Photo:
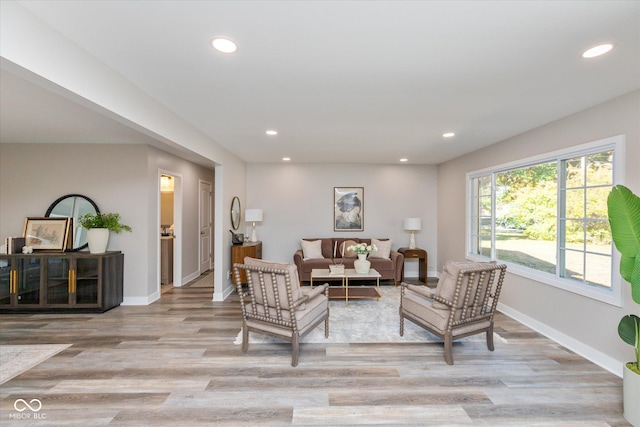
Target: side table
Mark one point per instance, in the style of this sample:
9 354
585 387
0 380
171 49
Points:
238 252
423 262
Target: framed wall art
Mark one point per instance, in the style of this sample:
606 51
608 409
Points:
348 208
47 234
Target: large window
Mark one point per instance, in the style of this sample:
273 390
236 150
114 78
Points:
547 217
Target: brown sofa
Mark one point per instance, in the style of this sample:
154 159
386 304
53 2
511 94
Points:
389 269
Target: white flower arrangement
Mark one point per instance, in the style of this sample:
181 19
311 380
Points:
362 248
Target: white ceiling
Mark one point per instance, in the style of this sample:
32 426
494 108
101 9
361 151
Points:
342 81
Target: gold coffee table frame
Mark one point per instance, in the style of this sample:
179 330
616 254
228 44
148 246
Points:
343 292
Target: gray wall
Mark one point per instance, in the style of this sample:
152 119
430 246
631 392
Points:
297 202
585 325
119 178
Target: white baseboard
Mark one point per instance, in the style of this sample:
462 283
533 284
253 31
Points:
141 300
225 293
610 364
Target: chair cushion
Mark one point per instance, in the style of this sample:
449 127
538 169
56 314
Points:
383 248
305 319
436 318
311 249
446 287
423 308
296 293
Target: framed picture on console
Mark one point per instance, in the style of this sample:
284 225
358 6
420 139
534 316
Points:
348 208
47 234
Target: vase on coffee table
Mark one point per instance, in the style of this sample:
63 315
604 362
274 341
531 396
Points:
362 265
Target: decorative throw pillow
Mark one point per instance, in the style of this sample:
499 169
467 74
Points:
311 249
383 248
346 253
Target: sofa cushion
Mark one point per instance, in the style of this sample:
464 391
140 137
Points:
311 264
311 249
383 248
380 264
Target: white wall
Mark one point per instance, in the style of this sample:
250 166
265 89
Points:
118 178
31 48
32 176
297 202
587 326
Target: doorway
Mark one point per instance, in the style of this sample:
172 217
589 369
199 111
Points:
169 230
205 226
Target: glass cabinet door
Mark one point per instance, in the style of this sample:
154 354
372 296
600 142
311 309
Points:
28 287
57 281
87 280
5 281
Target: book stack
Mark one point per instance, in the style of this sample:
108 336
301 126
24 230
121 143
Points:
15 244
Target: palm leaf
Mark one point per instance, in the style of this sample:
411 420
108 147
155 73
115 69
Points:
629 331
624 218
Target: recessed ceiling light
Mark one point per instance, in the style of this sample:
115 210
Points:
224 45
448 135
271 132
597 50
404 160
286 159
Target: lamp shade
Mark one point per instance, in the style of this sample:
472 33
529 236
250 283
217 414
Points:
253 215
412 224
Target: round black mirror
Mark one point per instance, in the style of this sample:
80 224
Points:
235 213
74 206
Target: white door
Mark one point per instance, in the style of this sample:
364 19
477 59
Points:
205 226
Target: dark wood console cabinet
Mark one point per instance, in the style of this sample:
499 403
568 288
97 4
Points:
238 252
68 281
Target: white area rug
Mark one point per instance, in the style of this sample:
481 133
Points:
17 359
365 321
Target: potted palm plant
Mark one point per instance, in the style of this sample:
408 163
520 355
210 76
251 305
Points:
624 217
98 226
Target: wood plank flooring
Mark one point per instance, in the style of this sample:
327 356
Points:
174 363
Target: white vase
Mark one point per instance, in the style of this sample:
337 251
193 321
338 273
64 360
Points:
361 264
631 396
98 238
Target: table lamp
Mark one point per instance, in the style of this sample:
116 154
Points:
253 216
413 225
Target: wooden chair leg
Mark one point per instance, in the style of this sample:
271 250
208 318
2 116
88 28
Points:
295 350
448 351
326 327
245 337
490 337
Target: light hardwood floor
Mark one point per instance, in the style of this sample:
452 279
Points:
174 363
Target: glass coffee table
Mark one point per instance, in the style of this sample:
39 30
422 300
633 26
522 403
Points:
344 292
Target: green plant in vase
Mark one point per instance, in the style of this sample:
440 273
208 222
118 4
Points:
98 226
624 217
110 221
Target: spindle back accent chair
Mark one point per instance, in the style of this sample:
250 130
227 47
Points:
463 304
274 304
